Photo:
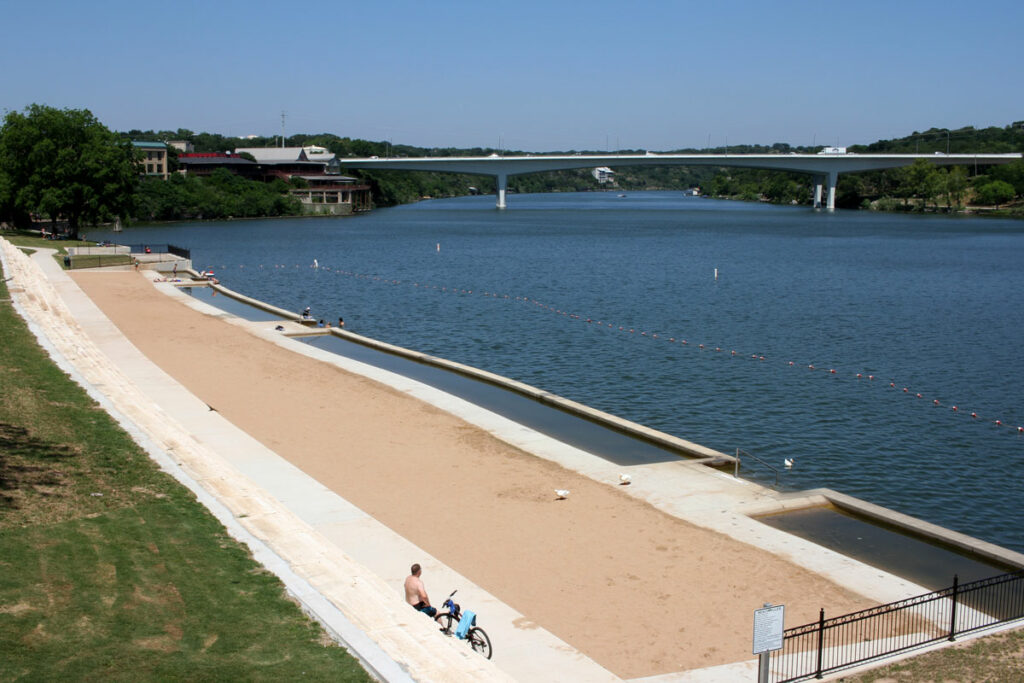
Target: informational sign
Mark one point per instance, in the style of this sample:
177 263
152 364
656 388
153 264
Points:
768 628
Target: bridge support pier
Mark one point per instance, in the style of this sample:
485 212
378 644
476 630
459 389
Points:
833 180
502 180
829 180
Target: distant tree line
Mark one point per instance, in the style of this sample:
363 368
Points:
64 165
922 186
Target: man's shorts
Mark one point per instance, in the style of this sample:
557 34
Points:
426 609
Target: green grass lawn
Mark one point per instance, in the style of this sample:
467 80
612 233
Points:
109 569
997 658
30 241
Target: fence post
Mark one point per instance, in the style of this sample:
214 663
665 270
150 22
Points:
821 640
952 616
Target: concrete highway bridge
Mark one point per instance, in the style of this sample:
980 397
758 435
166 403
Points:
825 168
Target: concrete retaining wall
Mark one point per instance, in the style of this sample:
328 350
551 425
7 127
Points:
674 443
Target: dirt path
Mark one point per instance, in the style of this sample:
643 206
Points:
638 591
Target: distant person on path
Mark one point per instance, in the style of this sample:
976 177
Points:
416 594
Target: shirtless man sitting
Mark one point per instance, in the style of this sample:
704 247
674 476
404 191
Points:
416 594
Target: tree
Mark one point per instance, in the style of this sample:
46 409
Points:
920 180
995 192
956 185
63 164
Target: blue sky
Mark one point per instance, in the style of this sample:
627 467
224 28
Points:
538 76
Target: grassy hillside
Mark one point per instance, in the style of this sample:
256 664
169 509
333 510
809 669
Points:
110 569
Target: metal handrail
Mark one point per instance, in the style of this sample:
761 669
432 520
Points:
736 465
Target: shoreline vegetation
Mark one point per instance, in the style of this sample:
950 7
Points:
99 182
111 566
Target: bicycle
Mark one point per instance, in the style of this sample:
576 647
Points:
476 636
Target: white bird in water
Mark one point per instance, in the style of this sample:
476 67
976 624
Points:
562 494
624 479
788 462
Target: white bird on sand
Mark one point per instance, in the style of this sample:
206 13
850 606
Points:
562 494
624 479
788 462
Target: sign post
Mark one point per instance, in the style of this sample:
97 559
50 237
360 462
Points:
768 632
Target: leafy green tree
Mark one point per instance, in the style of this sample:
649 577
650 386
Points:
1012 173
919 180
995 192
63 164
956 186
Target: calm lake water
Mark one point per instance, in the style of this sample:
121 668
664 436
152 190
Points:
929 303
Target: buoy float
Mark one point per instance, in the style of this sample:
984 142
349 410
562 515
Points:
810 367
905 390
859 376
974 415
919 395
936 401
892 384
955 409
831 371
999 423
701 346
790 362
871 377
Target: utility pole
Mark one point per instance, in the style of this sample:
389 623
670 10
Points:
282 128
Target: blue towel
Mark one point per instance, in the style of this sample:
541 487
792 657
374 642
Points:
467 620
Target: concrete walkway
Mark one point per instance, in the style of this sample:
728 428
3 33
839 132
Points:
344 566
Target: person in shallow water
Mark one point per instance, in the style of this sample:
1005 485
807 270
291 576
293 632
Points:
341 322
416 593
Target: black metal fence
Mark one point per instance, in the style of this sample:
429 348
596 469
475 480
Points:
159 249
96 260
827 645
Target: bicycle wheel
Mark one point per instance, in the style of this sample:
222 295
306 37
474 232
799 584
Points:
444 622
479 641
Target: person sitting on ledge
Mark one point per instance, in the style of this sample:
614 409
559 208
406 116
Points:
416 594
321 323
305 314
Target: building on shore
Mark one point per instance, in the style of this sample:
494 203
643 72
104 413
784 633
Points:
604 175
313 172
154 158
335 195
205 163
326 190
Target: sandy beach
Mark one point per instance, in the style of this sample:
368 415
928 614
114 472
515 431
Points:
635 589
